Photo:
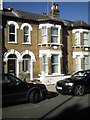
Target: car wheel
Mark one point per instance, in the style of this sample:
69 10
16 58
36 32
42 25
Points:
34 96
79 90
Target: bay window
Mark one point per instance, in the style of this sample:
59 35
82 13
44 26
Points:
77 38
54 35
85 38
54 63
78 62
86 62
45 63
44 34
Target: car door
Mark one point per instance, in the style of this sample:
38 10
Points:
19 88
14 89
88 83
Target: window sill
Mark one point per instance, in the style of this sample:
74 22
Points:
80 46
26 43
50 44
12 42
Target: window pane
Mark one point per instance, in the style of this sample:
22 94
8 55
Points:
45 63
45 68
44 38
85 42
26 38
12 37
85 35
77 40
54 63
26 30
43 31
54 59
54 31
86 60
12 28
44 34
44 59
85 38
54 39
26 66
54 68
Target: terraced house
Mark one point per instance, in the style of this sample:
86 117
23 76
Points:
37 45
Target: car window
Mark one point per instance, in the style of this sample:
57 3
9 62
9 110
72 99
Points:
81 74
14 80
10 79
5 79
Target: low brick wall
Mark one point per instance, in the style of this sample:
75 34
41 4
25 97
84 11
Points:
52 79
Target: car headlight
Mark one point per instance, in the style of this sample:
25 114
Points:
69 84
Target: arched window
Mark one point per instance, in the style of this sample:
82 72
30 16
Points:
12 31
26 64
26 33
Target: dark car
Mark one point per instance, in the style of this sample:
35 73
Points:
78 84
14 89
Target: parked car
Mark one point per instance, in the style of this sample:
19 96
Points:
14 89
78 84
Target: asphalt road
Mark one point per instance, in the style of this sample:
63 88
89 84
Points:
54 106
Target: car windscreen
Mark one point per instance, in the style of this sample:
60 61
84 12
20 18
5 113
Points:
81 74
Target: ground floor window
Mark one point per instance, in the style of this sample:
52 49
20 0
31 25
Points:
54 63
45 63
26 65
86 62
78 62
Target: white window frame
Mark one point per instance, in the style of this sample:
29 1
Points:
54 35
85 39
29 35
16 27
48 25
45 64
24 66
86 63
77 40
78 62
44 35
58 64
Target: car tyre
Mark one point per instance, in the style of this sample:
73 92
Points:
79 90
34 96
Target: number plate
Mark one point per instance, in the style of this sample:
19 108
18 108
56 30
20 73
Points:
60 88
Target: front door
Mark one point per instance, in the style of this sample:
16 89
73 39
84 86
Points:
12 66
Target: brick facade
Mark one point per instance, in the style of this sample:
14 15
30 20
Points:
64 52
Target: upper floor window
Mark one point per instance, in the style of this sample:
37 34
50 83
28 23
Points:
26 33
54 35
77 38
44 34
85 38
12 31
